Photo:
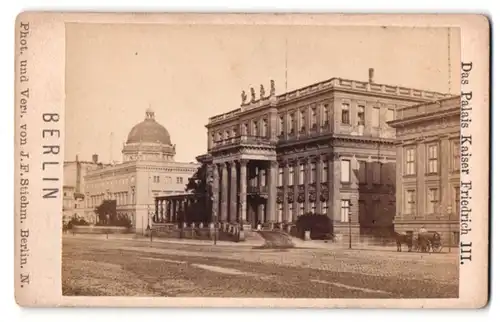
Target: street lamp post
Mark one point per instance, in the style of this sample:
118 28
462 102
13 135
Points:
449 210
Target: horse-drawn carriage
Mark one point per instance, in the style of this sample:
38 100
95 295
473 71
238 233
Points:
425 242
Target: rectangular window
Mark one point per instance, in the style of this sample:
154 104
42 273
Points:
301 208
280 211
244 131
389 115
362 172
226 135
280 177
324 175
290 210
376 117
377 166
326 114
234 132
281 125
345 113
432 200
344 210
312 174
410 161
432 158
345 171
264 127
301 174
291 123
456 155
255 130
179 180
291 175
324 207
302 121
314 117
410 201
361 115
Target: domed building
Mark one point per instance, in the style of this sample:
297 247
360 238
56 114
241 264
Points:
148 170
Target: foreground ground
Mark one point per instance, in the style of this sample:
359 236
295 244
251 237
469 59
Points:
138 268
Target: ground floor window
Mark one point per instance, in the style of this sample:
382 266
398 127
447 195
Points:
290 210
280 212
324 208
344 210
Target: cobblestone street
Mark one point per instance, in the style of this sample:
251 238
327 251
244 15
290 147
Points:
138 268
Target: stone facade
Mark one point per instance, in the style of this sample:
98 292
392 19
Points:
148 170
325 148
428 164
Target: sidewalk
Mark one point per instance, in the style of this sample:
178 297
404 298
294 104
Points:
299 244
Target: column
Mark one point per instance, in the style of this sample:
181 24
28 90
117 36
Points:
156 210
215 192
307 174
233 205
295 190
224 196
243 191
286 215
319 176
421 188
272 194
331 186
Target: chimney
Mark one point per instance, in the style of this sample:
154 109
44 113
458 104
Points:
371 72
95 158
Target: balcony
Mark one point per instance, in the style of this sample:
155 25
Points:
243 140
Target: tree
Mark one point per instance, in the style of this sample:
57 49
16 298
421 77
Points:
106 212
197 184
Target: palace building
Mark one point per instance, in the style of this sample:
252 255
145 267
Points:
324 148
428 161
148 170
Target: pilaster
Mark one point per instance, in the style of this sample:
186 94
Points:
224 193
243 191
233 205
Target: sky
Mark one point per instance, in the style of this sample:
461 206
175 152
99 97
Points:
188 73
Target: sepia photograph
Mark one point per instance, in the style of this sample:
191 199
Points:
261 161
252 160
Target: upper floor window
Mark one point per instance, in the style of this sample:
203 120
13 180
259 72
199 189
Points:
280 177
324 174
361 115
234 132
376 117
345 208
264 127
281 125
432 158
455 146
291 123
314 118
326 114
180 180
255 130
301 174
302 121
410 161
312 174
345 171
345 113
226 135
390 115
291 175
244 130
432 200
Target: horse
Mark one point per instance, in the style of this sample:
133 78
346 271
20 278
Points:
403 238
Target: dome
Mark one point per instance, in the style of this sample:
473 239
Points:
149 131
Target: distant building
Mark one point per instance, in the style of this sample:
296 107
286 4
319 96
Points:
325 148
74 187
148 170
428 164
